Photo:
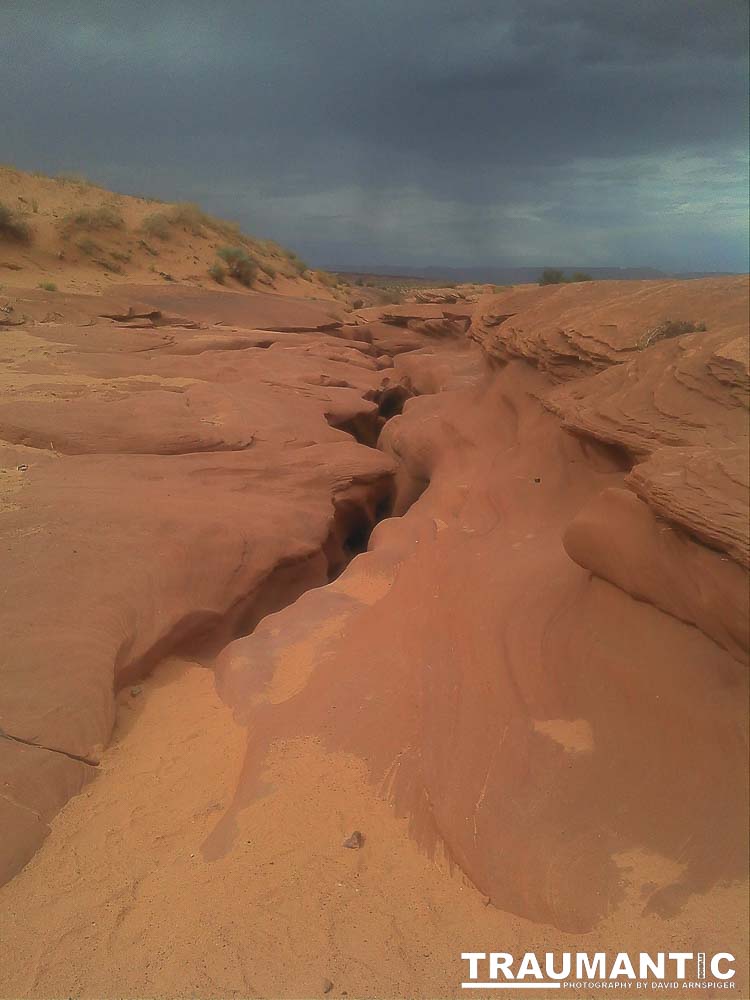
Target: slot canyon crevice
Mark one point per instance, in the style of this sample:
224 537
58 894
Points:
471 577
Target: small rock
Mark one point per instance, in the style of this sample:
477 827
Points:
327 985
537 480
355 841
22 468
135 691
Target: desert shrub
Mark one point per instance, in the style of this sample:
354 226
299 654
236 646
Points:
329 280
88 247
267 269
108 265
241 265
358 303
190 217
123 258
229 230
551 276
34 206
13 226
218 273
196 221
270 249
158 225
669 328
73 178
103 217
298 266
48 286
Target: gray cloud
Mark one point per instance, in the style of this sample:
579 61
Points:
419 131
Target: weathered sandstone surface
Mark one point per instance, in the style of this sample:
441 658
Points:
565 676
539 653
163 485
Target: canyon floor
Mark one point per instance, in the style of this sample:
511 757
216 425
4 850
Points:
342 638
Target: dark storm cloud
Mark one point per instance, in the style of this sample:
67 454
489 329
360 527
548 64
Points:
406 132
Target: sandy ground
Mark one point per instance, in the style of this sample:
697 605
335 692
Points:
120 901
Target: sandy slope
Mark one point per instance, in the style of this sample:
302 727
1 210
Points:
91 256
122 901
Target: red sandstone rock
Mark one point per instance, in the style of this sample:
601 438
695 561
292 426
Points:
542 663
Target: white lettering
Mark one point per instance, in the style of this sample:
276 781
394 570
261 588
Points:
473 958
549 965
622 966
593 969
648 966
530 967
500 961
715 971
680 958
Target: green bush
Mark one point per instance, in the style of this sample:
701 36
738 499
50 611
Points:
270 248
196 221
12 226
218 273
158 225
48 286
104 217
190 217
241 266
551 276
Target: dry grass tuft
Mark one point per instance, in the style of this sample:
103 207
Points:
669 328
103 217
242 267
13 227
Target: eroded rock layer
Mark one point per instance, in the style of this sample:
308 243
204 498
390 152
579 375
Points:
542 660
527 714
164 485
564 679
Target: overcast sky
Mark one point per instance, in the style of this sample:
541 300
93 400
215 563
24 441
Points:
586 132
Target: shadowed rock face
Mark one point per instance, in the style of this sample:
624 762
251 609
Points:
542 662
